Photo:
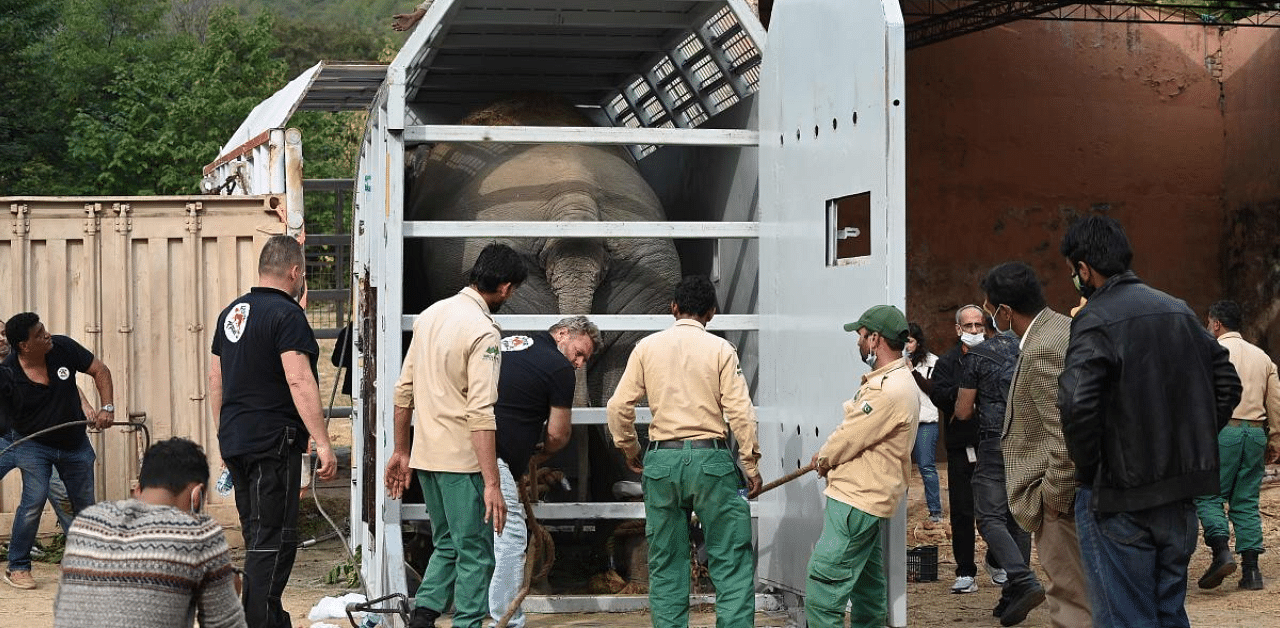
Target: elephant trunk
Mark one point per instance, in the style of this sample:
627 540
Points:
574 266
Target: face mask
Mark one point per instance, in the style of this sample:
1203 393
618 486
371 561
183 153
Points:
971 340
995 322
870 357
870 360
1085 290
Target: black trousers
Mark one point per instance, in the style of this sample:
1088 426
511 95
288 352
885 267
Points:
266 486
960 503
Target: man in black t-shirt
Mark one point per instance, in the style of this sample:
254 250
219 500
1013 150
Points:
264 397
38 392
535 390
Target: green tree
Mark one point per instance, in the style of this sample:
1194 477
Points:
167 117
26 133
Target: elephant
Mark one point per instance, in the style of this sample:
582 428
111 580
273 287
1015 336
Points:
487 181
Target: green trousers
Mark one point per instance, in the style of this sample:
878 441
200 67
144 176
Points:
1240 469
462 561
705 481
847 566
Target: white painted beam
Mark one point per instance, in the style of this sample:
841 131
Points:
579 135
548 604
610 322
560 511
578 229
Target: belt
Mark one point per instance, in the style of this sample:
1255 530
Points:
699 443
1246 422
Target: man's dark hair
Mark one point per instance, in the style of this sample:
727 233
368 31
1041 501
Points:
1100 242
1228 313
497 264
1014 284
279 254
695 295
18 328
894 343
173 465
922 347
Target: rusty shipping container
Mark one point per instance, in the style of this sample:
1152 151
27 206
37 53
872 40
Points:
139 281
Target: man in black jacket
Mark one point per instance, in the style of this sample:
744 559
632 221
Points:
1144 391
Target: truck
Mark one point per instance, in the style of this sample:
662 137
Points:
779 157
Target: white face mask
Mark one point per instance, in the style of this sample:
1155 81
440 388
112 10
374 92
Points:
870 360
971 340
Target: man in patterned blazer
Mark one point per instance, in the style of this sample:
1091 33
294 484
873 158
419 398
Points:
1039 475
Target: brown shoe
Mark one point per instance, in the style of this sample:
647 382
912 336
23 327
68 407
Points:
20 579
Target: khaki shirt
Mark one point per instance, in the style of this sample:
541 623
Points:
450 378
693 382
1260 397
869 455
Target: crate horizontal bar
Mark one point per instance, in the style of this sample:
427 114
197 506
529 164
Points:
577 229
554 511
610 322
420 134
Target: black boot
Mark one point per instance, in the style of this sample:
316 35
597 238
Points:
1223 565
1250 577
423 618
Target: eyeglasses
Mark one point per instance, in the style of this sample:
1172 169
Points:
971 327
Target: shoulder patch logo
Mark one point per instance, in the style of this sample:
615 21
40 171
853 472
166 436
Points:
64 373
866 408
492 353
516 343
236 321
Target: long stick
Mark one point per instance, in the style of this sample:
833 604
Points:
798 473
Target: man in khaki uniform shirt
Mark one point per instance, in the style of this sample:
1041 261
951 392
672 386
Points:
693 382
450 377
1241 448
1039 475
867 463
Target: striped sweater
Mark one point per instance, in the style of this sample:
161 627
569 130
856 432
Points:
129 563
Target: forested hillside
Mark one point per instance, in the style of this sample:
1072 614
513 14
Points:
135 96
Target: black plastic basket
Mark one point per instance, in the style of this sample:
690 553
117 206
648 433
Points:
922 564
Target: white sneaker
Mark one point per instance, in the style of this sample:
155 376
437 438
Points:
965 584
998 576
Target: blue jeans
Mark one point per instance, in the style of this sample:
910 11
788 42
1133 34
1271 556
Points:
38 462
57 490
925 455
1136 563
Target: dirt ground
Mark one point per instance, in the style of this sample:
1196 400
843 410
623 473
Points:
928 603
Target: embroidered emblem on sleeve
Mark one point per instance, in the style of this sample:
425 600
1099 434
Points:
516 343
236 321
492 353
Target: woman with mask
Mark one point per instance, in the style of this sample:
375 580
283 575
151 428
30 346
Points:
925 452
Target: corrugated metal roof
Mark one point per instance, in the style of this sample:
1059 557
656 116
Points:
325 86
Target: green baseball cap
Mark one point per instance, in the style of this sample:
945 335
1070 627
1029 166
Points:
886 320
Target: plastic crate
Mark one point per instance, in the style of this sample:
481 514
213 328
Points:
922 564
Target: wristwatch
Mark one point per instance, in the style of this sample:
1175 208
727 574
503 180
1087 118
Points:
109 408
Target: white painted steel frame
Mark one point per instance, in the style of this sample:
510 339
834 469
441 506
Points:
610 322
576 229
560 511
827 61
802 303
418 134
